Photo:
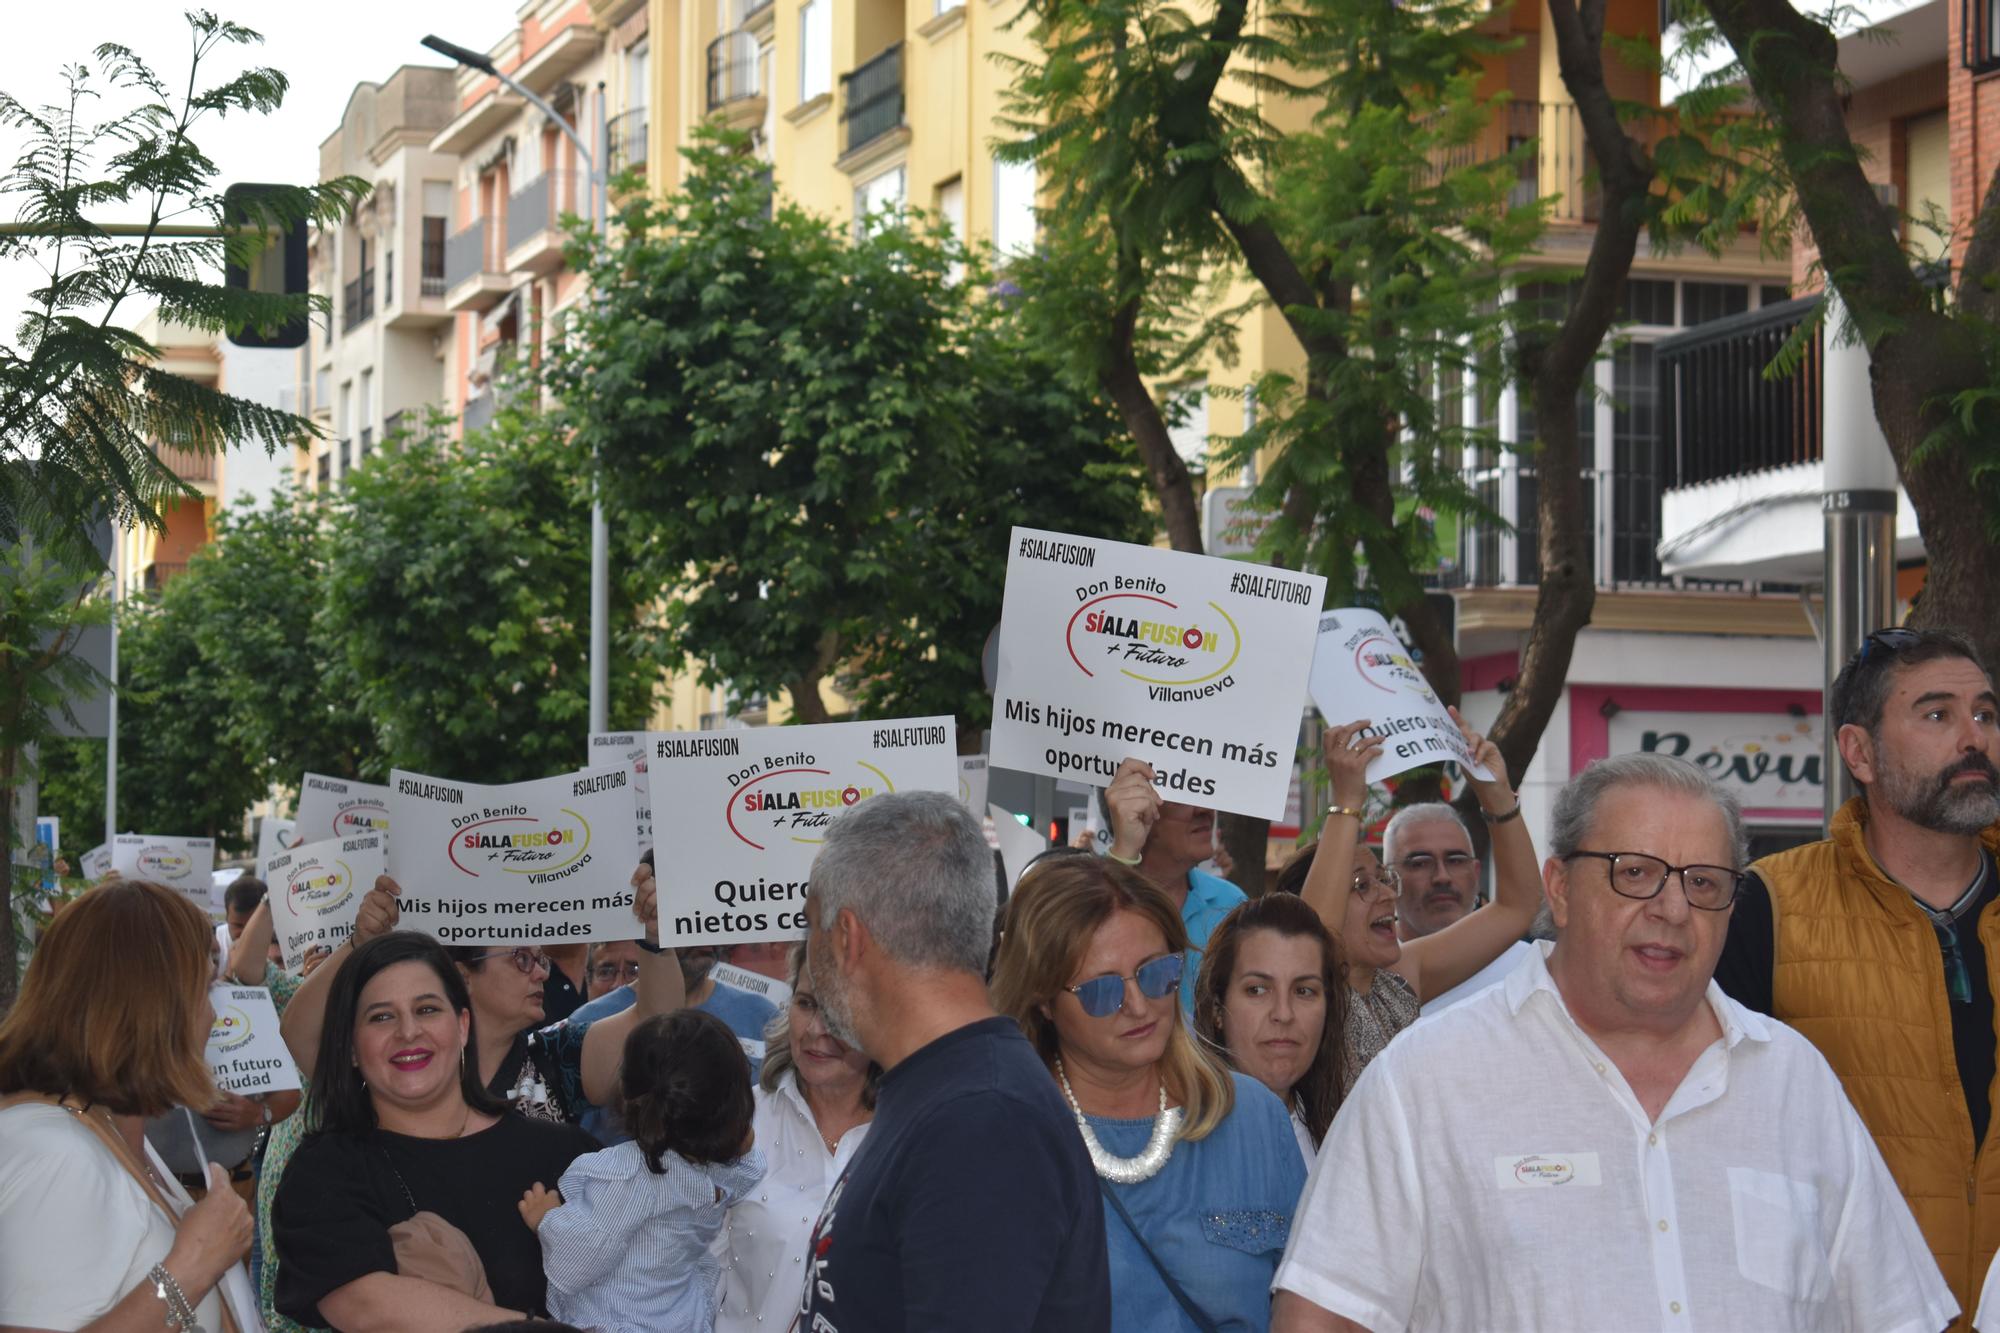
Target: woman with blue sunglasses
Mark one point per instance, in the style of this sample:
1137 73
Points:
1197 1165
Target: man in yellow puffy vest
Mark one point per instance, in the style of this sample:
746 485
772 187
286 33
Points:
1881 944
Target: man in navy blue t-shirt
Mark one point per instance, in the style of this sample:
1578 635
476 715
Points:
972 1205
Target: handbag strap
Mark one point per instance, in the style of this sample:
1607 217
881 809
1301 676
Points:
135 1169
1186 1302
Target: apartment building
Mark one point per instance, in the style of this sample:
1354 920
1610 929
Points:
506 283
148 559
380 353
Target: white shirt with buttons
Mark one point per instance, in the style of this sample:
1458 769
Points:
763 1243
1492 1169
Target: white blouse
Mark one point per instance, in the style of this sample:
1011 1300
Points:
763 1242
77 1232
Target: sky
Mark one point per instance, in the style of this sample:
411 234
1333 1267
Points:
324 48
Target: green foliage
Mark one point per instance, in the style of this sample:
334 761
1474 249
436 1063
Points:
815 441
458 594
81 397
178 771
256 609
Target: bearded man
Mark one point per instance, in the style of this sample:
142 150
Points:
1881 943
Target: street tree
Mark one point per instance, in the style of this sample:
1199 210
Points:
801 446
45 606
82 396
1934 346
457 593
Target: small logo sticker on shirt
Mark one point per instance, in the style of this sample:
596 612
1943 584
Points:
1541 1170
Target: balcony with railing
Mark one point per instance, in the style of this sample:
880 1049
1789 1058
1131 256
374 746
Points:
733 90
1555 157
1741 441
190 465
357 300
871 102
475 272
628 140
534 220
423 307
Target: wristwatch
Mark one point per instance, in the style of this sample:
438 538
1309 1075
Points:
265 1102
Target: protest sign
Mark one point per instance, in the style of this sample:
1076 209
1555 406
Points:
1361 670
972 778
1019 844
745 813
1195 665
218 890
542 862
96 863
608 749
275 835
245 1052
772 989
340 808
185 865
317 887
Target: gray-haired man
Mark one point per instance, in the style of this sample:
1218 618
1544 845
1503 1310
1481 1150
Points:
1693 1165
972 1205
1429 848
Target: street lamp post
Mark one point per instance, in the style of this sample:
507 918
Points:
600 532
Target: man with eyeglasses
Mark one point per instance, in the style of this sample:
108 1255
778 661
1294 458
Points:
1428 847
1881 943
1606 1140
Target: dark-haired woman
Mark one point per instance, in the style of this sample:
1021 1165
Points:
547 1073
398 1211
1270 997
815 1099
627 1242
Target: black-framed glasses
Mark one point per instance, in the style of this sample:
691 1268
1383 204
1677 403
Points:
1637 875
1887 642
607 974
1104 996
1423 863
525 960
1367 882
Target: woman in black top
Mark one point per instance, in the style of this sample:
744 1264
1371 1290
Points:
401 1125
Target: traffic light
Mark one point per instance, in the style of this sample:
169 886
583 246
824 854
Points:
278 267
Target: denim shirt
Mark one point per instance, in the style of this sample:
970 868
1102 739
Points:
1217 1215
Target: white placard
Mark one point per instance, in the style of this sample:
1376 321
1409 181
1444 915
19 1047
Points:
772 989
317 887
275 835
745 813
1019 844
340 808
218 890
608 749
972 779
185 865
542 862
1196 665
96 863
245 1052
1361 670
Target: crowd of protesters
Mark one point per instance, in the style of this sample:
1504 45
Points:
1642 1084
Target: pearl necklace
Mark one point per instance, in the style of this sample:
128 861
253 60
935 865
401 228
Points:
1128 1170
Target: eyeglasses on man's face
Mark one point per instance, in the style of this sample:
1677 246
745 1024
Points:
1637 875
526 961
1423 865
1104 996
612 974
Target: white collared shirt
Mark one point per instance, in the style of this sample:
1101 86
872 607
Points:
763 1242
1493 1170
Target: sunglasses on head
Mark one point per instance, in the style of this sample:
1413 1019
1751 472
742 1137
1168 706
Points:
1104 996
1887 642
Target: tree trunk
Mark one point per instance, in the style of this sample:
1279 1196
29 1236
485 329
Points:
1919 357
1173 485
807 706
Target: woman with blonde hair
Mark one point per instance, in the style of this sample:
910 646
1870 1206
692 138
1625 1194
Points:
110 1027
1197 1165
